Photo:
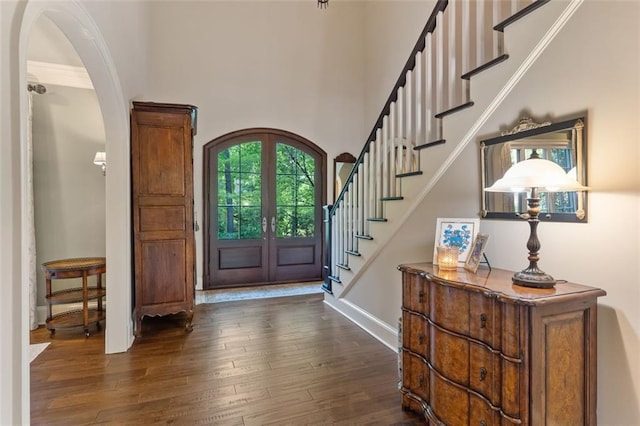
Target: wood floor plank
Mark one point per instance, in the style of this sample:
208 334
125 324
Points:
280 361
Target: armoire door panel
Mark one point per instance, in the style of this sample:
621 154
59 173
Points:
162 218
163 275
162 209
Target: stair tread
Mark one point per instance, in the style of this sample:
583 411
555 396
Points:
520 14
343 266
486 65
364 237
454 109
401 175
353 252
429 145
377 219
392 198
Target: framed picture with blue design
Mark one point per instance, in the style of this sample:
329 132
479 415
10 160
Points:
458 233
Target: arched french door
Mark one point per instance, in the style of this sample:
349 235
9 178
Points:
264 191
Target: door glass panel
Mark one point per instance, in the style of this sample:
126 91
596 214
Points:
295 192
240 191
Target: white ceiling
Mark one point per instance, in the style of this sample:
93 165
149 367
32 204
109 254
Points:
51 59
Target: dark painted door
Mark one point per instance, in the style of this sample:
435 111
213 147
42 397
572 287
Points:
265 192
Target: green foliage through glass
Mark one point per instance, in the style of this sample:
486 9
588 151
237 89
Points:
295 189
240 191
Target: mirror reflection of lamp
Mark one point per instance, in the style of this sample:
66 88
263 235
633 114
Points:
535 175
101 160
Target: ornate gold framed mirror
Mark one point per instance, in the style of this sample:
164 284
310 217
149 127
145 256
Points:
563 143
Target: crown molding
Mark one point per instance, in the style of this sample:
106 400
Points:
58 74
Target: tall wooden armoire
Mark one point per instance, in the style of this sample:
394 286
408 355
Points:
162 209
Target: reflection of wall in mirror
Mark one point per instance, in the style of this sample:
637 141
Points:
342 174
498 162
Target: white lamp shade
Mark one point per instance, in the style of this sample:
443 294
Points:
544 175
100 158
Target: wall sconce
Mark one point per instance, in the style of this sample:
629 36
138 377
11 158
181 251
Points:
101 160
535 175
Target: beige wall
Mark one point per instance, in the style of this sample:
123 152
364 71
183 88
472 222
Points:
69 190
289 65
582 70
391 32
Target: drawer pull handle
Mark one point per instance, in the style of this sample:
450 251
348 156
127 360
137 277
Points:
483 374
421 296
483 320
483 423
421 339
421 381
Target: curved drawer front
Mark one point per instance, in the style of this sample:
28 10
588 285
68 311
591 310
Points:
415 333
449 307
450 355
416 380
482 413
415 294
484 372
485 318
510 394
449 402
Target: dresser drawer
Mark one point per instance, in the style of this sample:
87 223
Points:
415 296
485 319
450 403
449 307
450 355
510 395
481 413
484 372
415 333
415 375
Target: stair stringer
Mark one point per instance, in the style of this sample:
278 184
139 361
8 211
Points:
416 188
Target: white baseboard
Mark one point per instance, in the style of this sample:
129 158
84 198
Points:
380 330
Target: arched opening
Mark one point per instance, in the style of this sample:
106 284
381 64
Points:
264 190
85 37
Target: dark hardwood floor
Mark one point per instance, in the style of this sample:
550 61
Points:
281 361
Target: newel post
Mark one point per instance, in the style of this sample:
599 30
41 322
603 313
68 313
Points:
326 270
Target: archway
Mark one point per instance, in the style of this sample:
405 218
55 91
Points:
86 38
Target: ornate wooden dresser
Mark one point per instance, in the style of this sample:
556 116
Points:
479 350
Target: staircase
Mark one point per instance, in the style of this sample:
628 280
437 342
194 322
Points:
459 72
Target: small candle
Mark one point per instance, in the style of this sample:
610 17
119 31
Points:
448 257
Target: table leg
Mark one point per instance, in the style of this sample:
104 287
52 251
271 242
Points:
99 285
85 303
49 309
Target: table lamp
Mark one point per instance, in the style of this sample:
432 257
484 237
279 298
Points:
535 175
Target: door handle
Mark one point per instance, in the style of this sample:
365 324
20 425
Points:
264 225
273 224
